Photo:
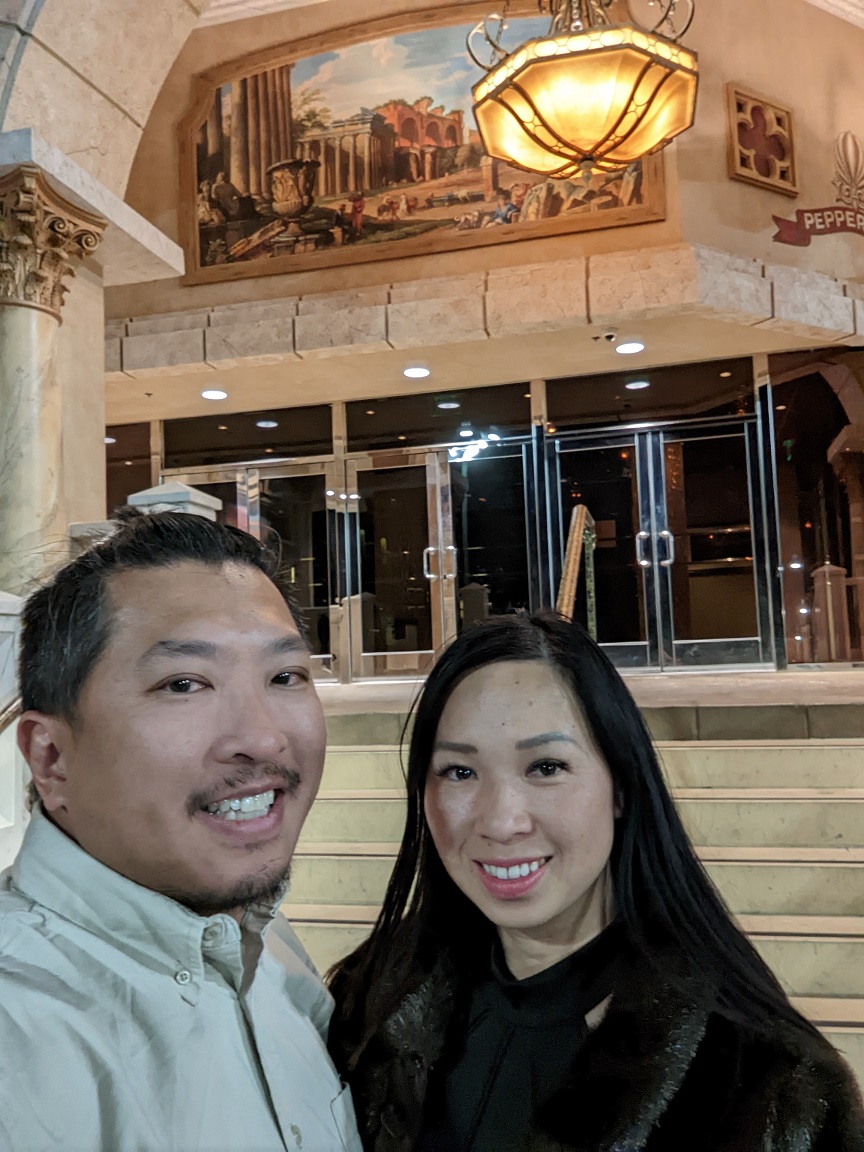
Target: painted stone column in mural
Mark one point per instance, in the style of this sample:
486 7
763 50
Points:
240 137
42 239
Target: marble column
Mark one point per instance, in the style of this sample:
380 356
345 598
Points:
43 237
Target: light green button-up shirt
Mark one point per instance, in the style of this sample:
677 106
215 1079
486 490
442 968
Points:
129 1024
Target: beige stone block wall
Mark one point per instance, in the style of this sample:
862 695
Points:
161 351
323 333
267 341
442 320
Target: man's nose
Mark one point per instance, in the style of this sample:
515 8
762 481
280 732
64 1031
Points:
502 812
251 729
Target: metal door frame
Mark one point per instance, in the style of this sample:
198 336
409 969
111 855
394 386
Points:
654 543
440 557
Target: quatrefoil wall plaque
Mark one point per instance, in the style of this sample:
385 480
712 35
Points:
761 141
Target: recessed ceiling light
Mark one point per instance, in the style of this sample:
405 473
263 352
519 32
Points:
417 373
214 394
527 395
330 492
127 462
466 430
630 347
781 408
370 411
268 449
223 427
796 565
266 424
401 437
725 375
638 385
448 405
110 440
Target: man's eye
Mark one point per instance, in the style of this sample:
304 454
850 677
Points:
290 679
181 687
547 768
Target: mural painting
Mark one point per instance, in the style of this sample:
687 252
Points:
371 151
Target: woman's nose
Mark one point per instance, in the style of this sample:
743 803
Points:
502 812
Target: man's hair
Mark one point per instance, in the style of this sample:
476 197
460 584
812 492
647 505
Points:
67 623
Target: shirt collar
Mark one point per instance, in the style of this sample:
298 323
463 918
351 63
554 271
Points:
56 873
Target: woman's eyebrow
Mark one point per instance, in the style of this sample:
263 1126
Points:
546 738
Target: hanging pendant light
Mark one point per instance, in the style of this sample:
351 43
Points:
593 94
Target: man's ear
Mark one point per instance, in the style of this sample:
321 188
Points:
43 741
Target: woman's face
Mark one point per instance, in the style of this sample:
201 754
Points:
520 802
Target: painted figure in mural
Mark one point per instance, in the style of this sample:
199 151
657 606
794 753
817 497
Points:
553 969
358 207
207 212
505 213
151 994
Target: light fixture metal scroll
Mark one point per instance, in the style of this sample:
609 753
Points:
609 84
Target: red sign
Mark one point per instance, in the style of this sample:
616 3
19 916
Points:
811 222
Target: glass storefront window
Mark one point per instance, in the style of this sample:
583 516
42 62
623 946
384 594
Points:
127 460
232 437
677 392
437 418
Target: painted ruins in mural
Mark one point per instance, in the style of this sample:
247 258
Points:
371 146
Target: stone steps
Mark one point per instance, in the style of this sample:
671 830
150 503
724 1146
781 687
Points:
738 818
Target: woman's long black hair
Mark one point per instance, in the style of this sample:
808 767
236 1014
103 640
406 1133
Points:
669 907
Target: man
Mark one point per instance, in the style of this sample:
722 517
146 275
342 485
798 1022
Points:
151 997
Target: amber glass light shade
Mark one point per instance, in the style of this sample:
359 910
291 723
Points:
605 97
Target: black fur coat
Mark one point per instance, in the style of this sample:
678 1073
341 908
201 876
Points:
659 1074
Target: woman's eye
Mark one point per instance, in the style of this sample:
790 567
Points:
455 772
290 679
182 687
547 768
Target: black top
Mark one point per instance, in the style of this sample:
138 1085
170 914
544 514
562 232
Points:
521 1040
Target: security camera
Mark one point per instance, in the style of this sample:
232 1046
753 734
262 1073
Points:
611 336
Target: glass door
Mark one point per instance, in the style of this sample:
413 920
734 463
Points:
402 563
680 564
293 509
490 533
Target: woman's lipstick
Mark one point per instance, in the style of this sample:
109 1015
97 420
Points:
515 888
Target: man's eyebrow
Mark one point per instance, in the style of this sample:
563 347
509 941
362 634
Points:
203 649
207 650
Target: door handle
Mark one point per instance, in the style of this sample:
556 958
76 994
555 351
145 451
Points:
670 548
427 552
454 557
641 559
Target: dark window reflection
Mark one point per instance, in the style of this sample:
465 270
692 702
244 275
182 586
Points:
244 436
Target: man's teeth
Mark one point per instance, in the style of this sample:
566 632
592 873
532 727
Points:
248 808
514 871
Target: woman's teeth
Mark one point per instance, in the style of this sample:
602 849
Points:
514 871
248 808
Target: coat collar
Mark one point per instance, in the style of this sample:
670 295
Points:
628 1071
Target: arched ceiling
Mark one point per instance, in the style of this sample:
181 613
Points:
221 11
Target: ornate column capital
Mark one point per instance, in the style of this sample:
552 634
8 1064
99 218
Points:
43 238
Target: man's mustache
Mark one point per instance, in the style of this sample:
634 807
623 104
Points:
289 778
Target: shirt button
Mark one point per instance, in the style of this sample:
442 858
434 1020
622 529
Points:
212 933
183 977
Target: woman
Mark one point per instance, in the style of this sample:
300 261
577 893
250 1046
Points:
552 968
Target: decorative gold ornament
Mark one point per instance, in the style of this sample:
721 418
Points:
593 94
43 238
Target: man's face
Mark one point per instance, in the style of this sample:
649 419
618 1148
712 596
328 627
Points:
199 741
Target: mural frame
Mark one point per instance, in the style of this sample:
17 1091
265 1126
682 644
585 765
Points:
651 210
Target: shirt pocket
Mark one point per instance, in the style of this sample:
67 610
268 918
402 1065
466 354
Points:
342 1110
